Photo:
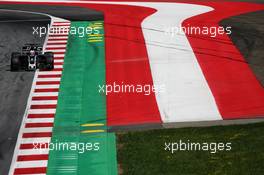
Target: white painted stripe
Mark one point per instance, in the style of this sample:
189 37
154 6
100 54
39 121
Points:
35 140
55 46
59 41
51 72
41 120
41 94
58 37
32 151
44 102
58 61
62 23
55 19
48 79
47 86
60 27
55 50
58 55
41 111
31 164
58 66
187 96
38 129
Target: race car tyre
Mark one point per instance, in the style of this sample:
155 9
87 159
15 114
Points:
15 61
49 60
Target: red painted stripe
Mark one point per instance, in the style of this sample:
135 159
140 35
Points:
50 44
237 92
47 82
56 28
35 125
50 76
61 24
126 42
59 53
45 98
57 39
34 146
37 134
47 90
37 170
43 106
58 69
33 157
53 70
41 115
57 35
58 58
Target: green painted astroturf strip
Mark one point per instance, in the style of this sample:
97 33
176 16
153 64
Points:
80 143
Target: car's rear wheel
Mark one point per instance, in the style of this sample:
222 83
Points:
15 61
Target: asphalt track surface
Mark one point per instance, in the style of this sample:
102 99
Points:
15 31
76 13
248 36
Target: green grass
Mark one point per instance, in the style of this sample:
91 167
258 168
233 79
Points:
142 153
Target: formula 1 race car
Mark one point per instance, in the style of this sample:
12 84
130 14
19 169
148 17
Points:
32 58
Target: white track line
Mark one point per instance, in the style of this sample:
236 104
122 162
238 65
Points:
43 94
58 37
58 55
41 111
55 46
31 164
58 66
59 41
35 140
47 86
53 72
61 24
41 120
44 102
58 61
40 129
48 79
32 151
55 50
